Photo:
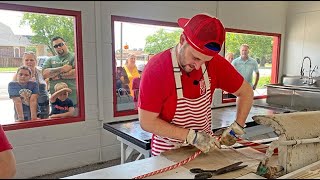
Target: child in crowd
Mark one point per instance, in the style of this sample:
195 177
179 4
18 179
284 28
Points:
61 105
24 94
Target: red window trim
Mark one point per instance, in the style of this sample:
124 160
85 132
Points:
128 20
79 64
275 57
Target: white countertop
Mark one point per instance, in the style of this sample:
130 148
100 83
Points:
137 168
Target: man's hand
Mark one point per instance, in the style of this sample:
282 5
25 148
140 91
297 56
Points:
254 87
229 136
202 140
66 68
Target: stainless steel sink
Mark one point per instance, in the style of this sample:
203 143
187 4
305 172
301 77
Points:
293 93
297 81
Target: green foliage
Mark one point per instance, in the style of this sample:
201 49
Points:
161 40
45 27
263 81
260 46
31 48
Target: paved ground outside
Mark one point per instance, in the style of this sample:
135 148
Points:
6 104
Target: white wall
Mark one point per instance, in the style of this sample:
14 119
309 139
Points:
303 37
48 149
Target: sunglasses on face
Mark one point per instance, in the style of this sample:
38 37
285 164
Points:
58 45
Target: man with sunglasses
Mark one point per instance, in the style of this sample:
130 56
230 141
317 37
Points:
177 85
61 68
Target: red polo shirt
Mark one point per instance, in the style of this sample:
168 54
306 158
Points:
4 143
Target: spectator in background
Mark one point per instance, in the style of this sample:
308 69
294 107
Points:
246 66
29 59
131 70
24 94
7 159
230 57
122 80
136 84
61 68
61 105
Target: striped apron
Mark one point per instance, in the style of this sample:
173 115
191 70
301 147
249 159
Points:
190 113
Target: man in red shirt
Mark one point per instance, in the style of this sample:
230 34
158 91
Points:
177 86
7 160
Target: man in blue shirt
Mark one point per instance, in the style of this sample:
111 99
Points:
247 65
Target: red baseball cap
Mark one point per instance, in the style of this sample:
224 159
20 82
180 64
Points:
204 33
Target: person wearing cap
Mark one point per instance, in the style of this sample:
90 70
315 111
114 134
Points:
247 65
7 159
61 105
136 84
177 85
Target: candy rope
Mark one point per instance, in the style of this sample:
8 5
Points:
259 147
169 167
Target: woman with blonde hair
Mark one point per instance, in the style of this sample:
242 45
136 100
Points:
131 70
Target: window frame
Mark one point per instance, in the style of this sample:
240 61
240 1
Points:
275 57
129 20
79 65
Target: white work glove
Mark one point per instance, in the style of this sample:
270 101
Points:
230 135
202 140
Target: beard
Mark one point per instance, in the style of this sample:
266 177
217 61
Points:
60 52
181 57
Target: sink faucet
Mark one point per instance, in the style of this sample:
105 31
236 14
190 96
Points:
310 74
302 69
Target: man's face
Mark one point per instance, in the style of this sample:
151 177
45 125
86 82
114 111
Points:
60 47
190 59
244 51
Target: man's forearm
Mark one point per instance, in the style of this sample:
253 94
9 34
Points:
52 72
244 104
69 75
257 79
